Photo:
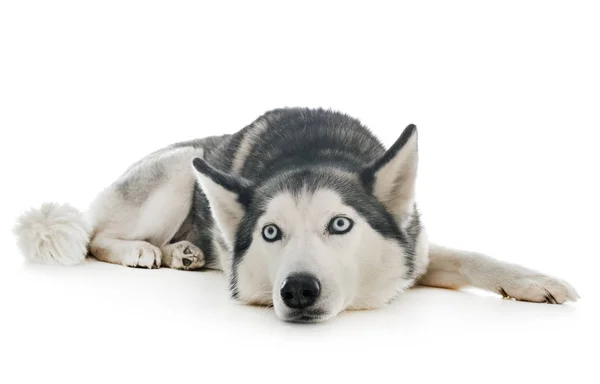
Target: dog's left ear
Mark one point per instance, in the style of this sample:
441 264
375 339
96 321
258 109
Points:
392 177
228 197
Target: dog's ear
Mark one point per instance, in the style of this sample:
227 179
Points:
228 197
391 178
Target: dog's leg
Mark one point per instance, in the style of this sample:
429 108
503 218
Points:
450 268
141 212
131 253
182 255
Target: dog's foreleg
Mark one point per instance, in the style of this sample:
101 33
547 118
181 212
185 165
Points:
450 268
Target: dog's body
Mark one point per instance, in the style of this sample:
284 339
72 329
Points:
303 209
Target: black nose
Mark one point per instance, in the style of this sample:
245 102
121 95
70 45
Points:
300 290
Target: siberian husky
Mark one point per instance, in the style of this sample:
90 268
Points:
304 210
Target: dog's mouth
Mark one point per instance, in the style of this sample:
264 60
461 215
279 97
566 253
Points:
305 316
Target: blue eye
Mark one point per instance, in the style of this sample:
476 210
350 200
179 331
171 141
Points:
271 233
340 225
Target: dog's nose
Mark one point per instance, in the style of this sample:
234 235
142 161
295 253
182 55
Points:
300 290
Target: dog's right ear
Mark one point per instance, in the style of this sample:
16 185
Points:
228 197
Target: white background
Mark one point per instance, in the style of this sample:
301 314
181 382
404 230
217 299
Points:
506 96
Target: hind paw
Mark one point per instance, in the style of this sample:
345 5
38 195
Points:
143 255
183 255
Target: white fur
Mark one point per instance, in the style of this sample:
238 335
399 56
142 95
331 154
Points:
246 145
357 270
451 268
395 181
53 234
170 200
225 209
131 232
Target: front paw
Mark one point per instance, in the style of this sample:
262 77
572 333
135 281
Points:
183 255
539 289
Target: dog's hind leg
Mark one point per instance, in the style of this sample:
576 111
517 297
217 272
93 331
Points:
136 217
131 253
453 269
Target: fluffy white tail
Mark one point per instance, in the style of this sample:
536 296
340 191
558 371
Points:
53 234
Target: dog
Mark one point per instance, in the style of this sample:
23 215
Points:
304 210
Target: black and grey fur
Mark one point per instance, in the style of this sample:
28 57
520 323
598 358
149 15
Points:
292 149
207 203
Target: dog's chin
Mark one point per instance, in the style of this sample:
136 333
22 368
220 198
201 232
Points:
306 316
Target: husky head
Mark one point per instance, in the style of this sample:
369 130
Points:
315 241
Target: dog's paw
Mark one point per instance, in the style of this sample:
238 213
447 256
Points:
539 289
184 255
143 255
